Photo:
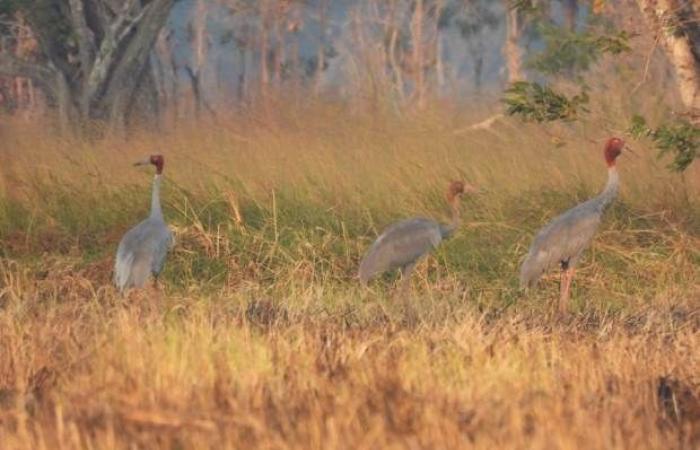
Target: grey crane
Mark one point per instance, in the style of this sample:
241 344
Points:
402 244
563 240
143 248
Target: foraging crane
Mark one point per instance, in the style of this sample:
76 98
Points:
402 244
143 248
563 239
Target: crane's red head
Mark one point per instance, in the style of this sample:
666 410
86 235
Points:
457 188
613 148
156 160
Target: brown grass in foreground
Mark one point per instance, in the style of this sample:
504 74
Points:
84 369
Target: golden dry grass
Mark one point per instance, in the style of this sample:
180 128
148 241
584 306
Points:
261 337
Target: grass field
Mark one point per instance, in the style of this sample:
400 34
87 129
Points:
261 337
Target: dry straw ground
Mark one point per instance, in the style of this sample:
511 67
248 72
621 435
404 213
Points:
261 337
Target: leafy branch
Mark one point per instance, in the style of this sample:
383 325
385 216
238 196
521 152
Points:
681 138
539 103
571 52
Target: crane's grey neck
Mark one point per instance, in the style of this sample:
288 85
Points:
611 188
156 212
447 230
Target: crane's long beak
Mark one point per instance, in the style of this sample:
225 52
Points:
144 162
472 189
629 149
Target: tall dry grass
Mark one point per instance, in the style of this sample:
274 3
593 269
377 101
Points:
261 338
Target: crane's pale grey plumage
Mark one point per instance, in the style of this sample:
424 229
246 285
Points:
563 240
143 248
402 244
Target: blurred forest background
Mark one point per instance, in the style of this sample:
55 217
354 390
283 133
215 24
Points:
117 62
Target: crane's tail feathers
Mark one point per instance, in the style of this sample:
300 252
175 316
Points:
122 270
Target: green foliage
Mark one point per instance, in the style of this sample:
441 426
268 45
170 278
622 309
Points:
570 52
7 6
540 103
681 138
565 52
528 7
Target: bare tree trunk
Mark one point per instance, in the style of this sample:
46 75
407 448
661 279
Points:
32 100
439 63
397 70
169 68
144 106
160 63
280 58
25 45
321 52
199 45
418 54
511 50
295 59
677 22
570 13
196 94
67 112
264 46
242 46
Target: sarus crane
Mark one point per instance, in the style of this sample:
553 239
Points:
563 240
402 244
143 248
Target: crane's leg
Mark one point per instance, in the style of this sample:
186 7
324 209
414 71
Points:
406 272
568 276
564 284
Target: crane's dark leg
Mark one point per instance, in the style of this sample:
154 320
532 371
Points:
567 273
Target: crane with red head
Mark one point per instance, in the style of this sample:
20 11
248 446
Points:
143 248
562 241
404 243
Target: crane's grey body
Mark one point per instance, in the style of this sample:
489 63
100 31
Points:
143 248
562 240
401 246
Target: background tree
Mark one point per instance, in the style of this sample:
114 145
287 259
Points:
677 25
94 59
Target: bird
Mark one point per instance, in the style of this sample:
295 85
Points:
402 244
563 240
143 249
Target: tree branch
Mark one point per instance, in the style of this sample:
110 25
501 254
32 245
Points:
114 36
136 49
46 24
14 67
85 38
